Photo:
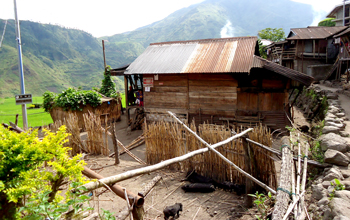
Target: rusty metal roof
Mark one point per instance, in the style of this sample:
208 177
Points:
343 33
314 32
197 56
260 62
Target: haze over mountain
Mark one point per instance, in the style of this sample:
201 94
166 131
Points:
56 58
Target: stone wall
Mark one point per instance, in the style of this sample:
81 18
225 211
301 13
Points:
329 202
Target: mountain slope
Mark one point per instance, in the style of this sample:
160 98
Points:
54 58
212 19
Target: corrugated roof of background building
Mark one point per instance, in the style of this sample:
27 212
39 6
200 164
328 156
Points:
260 62
314 32
197 56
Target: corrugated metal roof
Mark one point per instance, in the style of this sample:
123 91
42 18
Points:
196 56
343 33
259 62
314 32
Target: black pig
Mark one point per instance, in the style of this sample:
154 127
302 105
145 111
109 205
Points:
172 211
194 177
199 187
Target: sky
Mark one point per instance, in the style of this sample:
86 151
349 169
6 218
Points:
109 17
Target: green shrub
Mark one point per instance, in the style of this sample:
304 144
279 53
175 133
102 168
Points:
71 99
24 175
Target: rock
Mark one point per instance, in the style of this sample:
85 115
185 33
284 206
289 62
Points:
330 129
330 115
332 95
324 201
304 128
333 110
334 142
345 171
336 157
340 207
343 134
333 173
346 184
343 194
330 123
327 213
341 218
335 119
318 192
326 184
327 83
340 114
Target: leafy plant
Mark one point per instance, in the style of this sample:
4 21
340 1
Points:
337 186
108 86
263 203
23 174
107 215
71 99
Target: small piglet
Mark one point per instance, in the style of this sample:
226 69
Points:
199 187
172 211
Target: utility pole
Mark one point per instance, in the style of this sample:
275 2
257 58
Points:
20 66
344 12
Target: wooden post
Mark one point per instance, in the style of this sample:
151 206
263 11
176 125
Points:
115 144
249 189
283 191
16 122
104 54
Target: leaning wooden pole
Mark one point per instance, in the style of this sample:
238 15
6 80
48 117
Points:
283 191
264 186
146 189
129 174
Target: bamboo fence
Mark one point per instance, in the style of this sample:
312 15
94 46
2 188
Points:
166 140
97 138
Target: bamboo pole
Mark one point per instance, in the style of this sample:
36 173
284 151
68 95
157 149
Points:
296 211
292 205
282 198
301 214
264 186
129 174
115 144
311 162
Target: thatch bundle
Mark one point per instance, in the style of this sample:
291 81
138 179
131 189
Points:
166 140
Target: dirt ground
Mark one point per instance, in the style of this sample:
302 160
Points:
216 205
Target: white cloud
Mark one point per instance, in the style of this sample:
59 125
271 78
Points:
227 30
100 18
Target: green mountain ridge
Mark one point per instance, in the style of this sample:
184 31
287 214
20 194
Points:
56 57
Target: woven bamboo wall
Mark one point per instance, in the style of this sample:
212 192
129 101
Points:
168 140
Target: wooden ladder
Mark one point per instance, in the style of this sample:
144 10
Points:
335 65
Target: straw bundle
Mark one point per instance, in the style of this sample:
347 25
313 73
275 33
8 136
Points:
95 143
263 162
72 125
166 140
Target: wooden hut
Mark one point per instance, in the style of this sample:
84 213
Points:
219 81
310 50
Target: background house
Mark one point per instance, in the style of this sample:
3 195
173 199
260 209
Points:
338 14
219 81
310 50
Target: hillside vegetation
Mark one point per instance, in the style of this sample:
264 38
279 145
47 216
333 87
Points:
56 58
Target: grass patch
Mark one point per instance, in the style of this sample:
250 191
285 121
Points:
36 117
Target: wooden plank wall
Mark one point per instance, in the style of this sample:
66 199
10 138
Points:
169 92
212 96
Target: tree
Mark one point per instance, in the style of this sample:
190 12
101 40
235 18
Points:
328 22
273 34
